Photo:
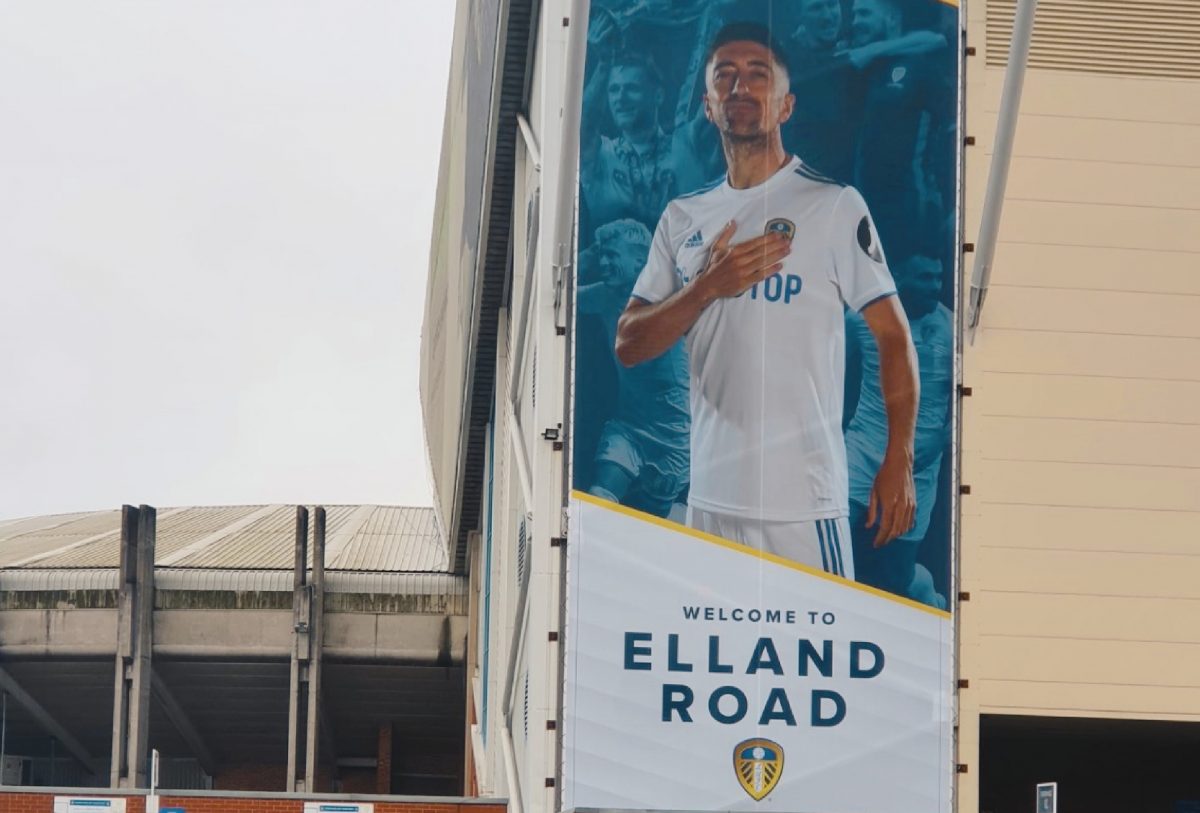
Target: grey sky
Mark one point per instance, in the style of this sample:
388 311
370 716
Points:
214 237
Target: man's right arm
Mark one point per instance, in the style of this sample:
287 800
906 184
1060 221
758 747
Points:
647 330
914 43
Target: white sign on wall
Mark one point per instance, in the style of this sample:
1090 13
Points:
703 675
339 807
89 804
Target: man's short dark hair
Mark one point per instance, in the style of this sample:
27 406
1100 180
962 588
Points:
748 32
631 59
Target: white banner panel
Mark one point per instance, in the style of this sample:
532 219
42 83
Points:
706 675
339 807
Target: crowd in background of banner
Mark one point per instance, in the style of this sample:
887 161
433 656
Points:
876 87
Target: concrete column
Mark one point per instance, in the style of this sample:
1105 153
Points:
304 695
298 677
316 634
135 616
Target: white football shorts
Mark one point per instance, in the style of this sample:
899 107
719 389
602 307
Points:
823 544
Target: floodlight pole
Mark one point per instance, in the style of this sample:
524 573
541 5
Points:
1006 128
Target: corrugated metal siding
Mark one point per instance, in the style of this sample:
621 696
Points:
39 580
1124 37
172 532
54 534
14 527
395 539
268 543
391 539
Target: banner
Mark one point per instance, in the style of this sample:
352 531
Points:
759 563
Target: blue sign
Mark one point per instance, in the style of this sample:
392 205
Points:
171 810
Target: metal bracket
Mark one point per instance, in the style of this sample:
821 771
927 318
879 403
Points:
562 266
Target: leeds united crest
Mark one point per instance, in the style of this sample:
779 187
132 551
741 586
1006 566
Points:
758 764
782 226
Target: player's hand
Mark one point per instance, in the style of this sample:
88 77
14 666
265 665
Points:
603 31
893 499
731 269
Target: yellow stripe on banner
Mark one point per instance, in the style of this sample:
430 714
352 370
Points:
949 2
758 554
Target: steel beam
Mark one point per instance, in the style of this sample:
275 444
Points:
1006 131
52 726
183 723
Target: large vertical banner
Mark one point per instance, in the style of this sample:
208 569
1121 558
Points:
759 563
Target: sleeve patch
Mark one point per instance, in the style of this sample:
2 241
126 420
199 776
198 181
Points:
867 240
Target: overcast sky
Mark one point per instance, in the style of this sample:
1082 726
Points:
214 237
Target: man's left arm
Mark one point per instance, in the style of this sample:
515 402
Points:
893 495
866 285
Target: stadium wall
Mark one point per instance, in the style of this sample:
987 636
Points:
1079 438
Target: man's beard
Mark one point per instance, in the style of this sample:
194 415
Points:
745 140
748 136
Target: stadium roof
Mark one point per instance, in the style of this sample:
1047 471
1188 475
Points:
362 538
224 632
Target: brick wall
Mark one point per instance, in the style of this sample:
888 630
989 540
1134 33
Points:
383 760
267 778
44 803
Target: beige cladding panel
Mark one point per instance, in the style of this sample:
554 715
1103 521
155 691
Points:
1084 224
1099 574
1103 147
1085 354
1081 440
1091 662
1101 312
1047 265
1074 699
1071 96
1109 443
1059 616
1129 185
1047 527
1031 482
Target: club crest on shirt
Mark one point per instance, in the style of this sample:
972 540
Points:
782 226
758 764
867 240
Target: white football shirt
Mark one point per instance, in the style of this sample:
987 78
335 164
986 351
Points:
767 367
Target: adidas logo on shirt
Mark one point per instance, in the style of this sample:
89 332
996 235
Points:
695 241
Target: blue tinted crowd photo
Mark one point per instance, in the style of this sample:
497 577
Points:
876 93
